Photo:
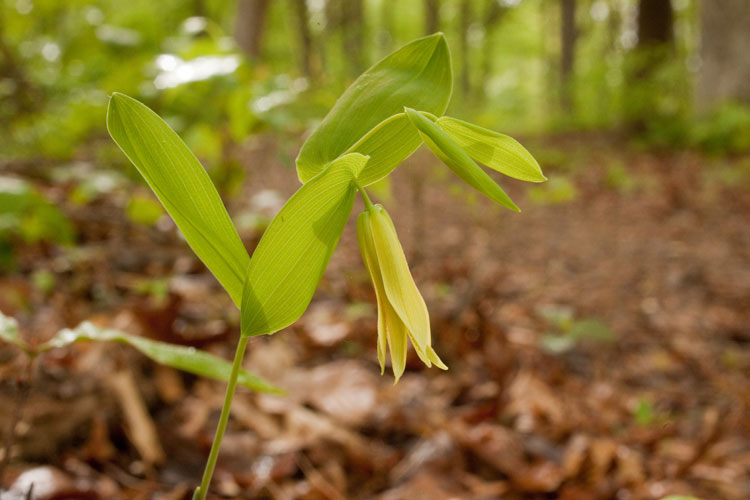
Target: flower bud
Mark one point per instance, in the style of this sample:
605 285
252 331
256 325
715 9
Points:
402 312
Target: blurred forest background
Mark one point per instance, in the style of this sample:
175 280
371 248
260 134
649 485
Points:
599 342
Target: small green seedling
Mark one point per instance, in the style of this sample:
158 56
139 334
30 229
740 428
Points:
183 358
381 119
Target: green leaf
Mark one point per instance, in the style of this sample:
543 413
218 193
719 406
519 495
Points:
419 74
498 151
183 187
295 249
9 332
387 145
458 160
183 358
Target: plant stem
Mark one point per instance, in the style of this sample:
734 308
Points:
202 490
368 203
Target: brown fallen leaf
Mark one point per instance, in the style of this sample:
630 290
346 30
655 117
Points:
344 390
575 455
424 485
532 400
504 450
47 483
602 452
324 326
141 429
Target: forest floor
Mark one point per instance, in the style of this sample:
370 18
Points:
598 345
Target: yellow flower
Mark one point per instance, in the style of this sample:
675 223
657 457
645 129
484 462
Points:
402 311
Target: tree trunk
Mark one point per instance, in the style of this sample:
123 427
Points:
655 25
569 34
725 49
385 32
352 27
464 21
493 13
432 16
249 25
304 36
655 48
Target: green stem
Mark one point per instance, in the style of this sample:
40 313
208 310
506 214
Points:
202 490
368 203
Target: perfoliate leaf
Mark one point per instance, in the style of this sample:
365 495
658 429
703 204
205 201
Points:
183 358
183 187
9 332
497 151
418 74
295 249
388 144
458 160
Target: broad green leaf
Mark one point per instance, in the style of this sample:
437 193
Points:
387 145
183 187
9 332
418 74
295 249
458 160
497 151
183 358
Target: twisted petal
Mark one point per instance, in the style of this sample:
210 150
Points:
398 283
391 329
402 311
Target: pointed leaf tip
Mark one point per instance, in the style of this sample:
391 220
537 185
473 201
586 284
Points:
418 74
498 151
295 249
182 185
450 153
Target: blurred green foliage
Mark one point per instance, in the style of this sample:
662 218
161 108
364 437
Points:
567 331
61 60
26 215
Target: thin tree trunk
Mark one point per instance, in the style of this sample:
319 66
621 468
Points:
725 45
569 33
250 24
431 16
352 26
385 34
464 20
304 37
492 15
655 47
655 24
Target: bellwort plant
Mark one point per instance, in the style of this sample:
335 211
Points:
379 121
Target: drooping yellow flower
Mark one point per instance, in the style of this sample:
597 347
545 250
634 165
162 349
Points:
402 312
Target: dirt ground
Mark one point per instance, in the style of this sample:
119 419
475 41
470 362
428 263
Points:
598 345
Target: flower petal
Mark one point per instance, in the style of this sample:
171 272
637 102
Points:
435 358
396 340
400 289
364 237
